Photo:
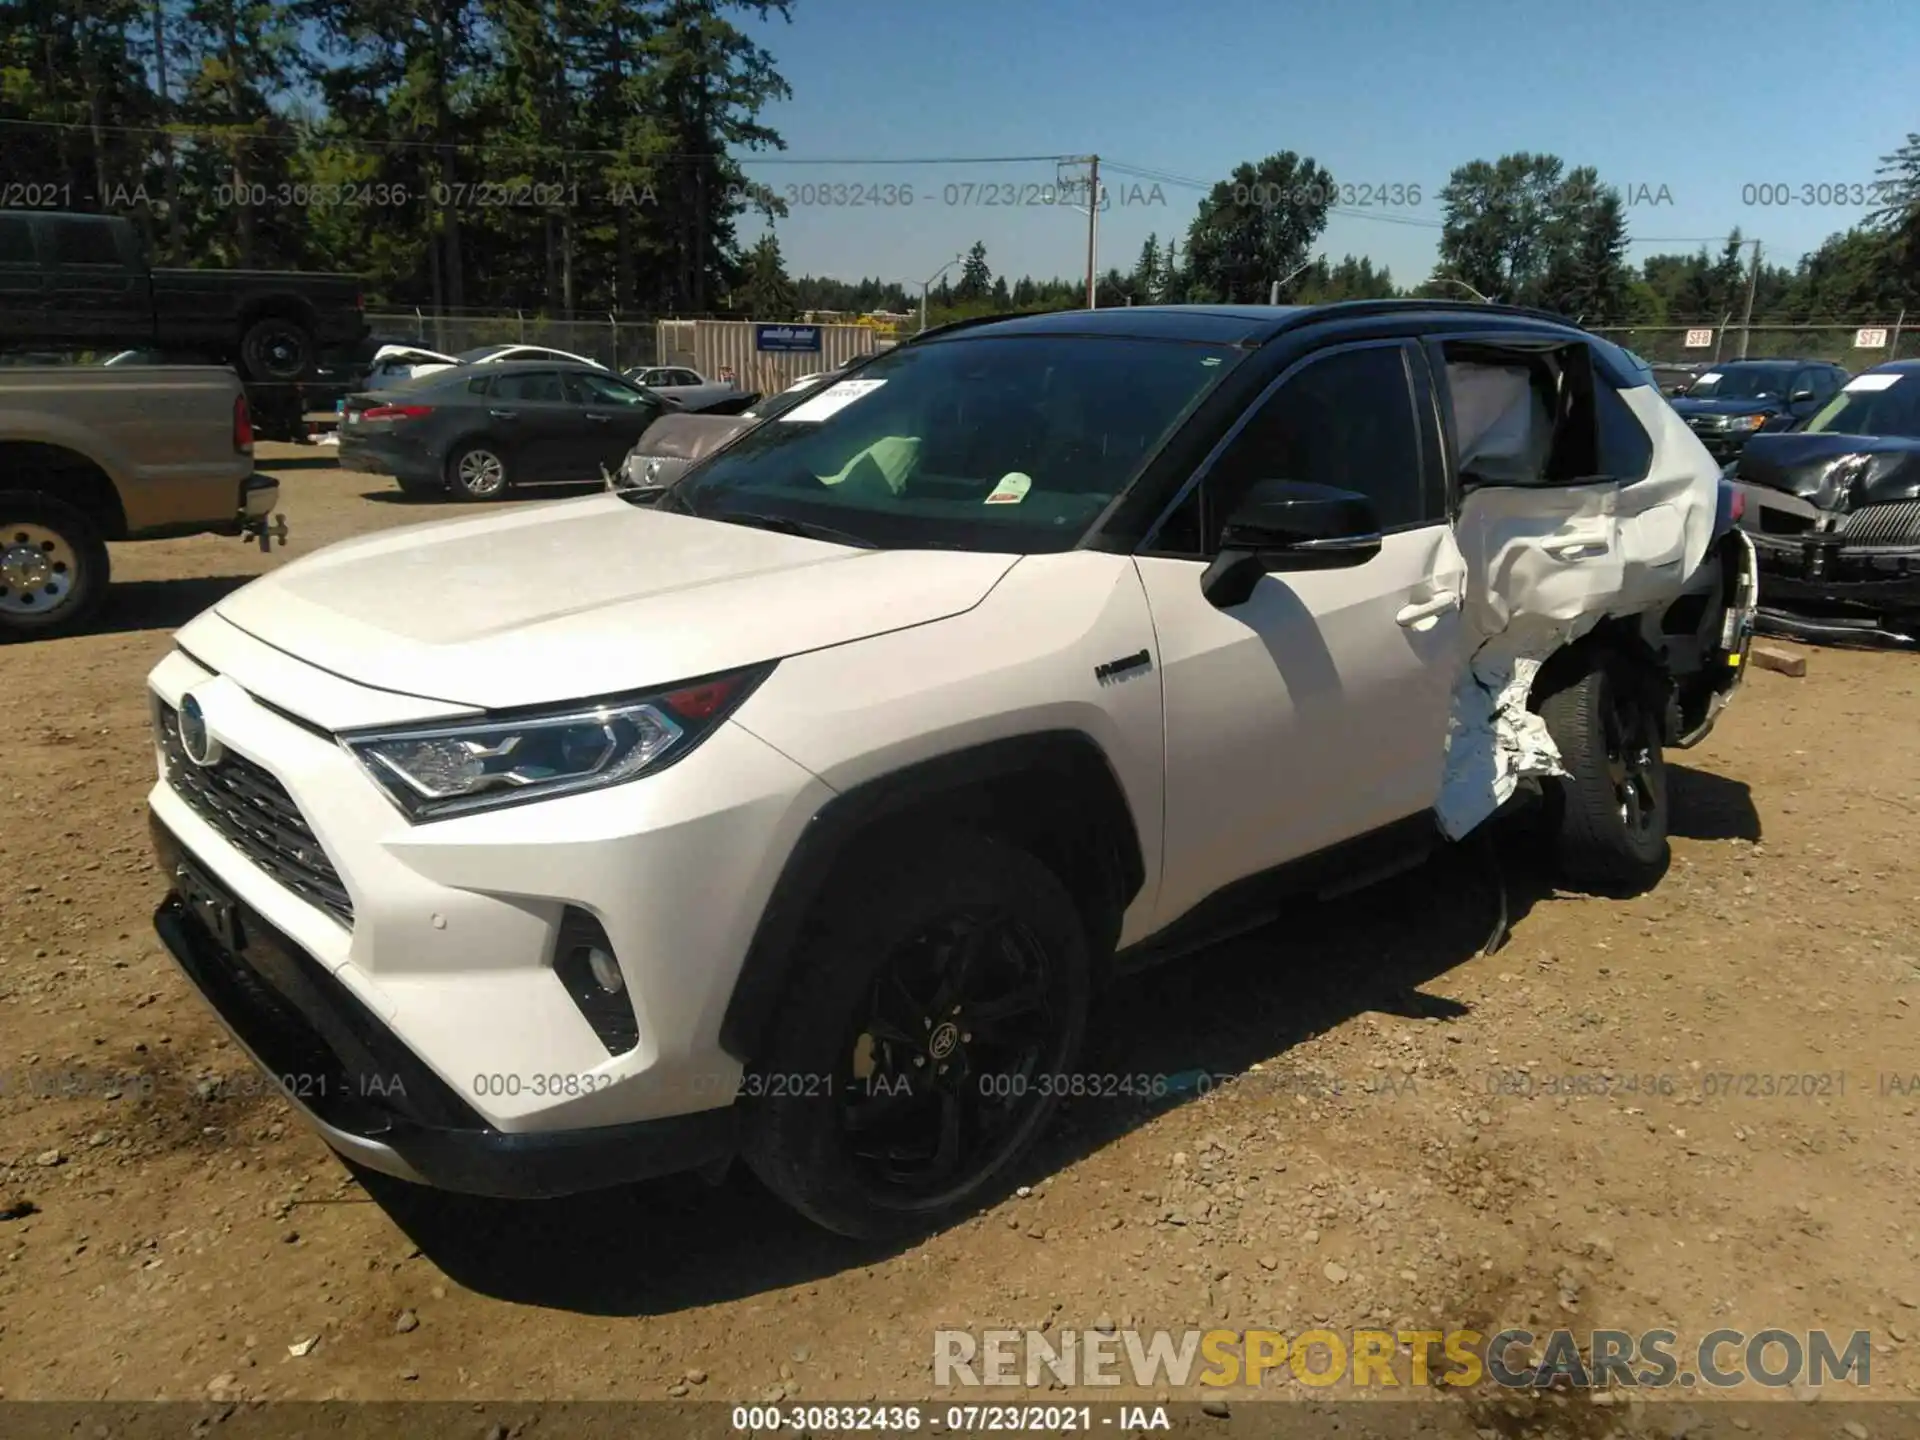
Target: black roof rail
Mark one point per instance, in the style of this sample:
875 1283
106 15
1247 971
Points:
1343 308
969 323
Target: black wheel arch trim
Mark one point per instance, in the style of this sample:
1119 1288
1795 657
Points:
833 832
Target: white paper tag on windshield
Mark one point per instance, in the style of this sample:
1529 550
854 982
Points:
1875 382
1011 490
832 400
1708 378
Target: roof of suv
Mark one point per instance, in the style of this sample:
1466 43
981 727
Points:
1248 325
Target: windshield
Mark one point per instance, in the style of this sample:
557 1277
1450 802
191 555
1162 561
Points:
1882 403
1012 444
1743 382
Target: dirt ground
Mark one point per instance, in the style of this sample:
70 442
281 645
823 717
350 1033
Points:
1422 1135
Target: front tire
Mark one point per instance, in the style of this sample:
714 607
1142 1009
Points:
938 1007
1610 809
479 471
54 568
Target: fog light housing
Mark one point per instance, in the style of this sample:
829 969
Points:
584 961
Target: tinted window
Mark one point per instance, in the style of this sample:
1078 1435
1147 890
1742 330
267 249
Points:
16 240
1892 410
1744 382
685 377
584 387
538 386
478 386
1345 420
84 242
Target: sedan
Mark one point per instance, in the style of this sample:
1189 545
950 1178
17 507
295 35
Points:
478 432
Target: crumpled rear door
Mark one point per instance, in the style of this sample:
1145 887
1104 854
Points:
1557 534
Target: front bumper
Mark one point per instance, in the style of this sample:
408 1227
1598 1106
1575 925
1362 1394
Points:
367 1094
1819 574
448 933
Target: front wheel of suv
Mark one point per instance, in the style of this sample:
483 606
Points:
1610 810
926 1038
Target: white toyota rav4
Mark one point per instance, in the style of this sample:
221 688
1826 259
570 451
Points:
797 816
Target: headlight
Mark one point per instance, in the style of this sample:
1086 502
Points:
1749 422
435 771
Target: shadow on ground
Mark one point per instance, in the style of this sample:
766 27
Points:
135 605
671 1245
298 462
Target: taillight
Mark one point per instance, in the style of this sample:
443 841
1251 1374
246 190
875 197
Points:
396 412
1738 508
242 426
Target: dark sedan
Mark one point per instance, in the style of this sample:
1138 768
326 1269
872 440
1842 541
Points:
1738 399
479 431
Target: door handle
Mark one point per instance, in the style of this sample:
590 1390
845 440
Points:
1421 610
597 419
1576 549
504 414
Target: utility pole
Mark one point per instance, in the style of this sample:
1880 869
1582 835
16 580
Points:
1093 231
1753 282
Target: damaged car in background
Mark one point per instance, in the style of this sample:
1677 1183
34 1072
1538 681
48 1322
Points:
1042 648
676 441
1834 511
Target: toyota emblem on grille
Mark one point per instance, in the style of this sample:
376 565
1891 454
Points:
201 747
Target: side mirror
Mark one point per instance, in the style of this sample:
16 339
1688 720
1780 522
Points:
1799 397
1289 525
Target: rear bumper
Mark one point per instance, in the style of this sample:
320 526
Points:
370 1097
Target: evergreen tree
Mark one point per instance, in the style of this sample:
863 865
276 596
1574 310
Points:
976 280
765 292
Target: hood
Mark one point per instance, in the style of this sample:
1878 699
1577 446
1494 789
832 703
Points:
1840 473
1768 406
412 355
562 601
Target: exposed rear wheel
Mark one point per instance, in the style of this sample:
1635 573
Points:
53 566
1611 808
923 1041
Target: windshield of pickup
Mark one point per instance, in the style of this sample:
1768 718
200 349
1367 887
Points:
1885 402
1013 444
1743 382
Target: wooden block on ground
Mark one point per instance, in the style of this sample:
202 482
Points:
1767 657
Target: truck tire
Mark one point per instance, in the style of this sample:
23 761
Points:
276 348
53 566
1610 810
918 1050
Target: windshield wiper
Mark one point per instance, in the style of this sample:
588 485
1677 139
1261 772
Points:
786 525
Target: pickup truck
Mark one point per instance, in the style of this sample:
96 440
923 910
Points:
70 281
127 452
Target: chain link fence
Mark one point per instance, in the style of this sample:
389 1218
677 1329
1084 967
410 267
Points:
1714 341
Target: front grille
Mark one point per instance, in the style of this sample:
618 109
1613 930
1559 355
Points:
254 813
1896 524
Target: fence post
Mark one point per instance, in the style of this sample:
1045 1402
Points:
1720 336
520 319
1893 340
613 332
419 327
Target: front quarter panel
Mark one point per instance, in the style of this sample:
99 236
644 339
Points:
1019 663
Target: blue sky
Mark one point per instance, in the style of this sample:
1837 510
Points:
1681 106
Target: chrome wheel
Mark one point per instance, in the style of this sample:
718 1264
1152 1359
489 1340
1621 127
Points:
481 472
38 569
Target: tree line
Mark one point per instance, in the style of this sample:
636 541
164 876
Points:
1523 229
586 155
459 153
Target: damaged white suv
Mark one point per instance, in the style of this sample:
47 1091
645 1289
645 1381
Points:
798 815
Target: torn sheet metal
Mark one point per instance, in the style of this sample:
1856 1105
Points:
1545 564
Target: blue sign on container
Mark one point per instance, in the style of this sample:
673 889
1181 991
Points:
787 339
